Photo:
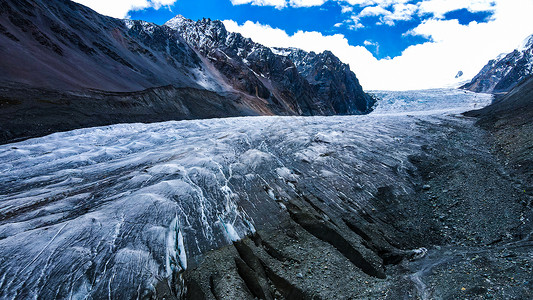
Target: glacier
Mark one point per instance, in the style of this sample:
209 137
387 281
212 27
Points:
108 211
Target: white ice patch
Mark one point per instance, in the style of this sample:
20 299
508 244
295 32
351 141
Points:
165 169
286 174
281 52
326 173
176 260
129 23
526 44
254 158
289 68
428 102
148 27
419 253
231 232
327 137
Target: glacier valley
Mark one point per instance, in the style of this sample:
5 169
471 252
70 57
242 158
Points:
126 211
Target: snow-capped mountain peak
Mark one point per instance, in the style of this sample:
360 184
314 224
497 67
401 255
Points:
505 71
177 21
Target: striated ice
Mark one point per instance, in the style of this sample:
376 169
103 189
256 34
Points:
108 211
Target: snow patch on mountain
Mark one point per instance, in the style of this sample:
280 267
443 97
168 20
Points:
505 71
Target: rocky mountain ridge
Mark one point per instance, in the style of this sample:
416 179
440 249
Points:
318 82
502 74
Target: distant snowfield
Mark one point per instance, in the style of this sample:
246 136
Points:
107 210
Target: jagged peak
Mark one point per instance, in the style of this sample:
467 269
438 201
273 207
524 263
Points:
297 51
501 56
177 21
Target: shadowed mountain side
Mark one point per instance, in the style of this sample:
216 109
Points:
509 119
60 44
49 111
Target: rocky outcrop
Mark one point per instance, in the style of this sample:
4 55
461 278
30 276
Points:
306 82
331 79
505 72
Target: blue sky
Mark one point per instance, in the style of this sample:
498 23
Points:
390 44
387 41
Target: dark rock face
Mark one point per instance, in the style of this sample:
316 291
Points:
505 72
332 80
306 82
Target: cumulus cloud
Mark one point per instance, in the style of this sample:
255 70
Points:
276 3
436 7
346 9
279 4
306 3
364 3
440 7
400 12
453 46
392 11
373 11
120 8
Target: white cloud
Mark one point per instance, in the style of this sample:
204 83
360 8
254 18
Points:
403 12
354 23
346 9
382 3
371 11
276 3
391 11
120 8
306 3
433 64
279 4
440 7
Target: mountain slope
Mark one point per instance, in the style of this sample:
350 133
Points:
505 72
71 67
63 45
509 120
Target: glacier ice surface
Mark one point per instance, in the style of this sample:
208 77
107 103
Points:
110 210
